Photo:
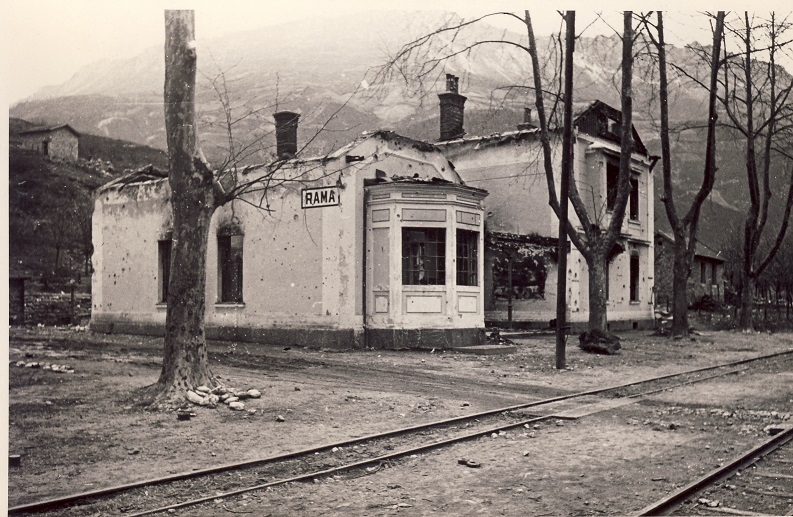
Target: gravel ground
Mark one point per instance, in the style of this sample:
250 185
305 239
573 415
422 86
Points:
85 430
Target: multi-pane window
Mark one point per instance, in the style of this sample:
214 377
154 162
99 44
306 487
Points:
230 268
163 269
423 256
612 178
634 278
633 212
467 253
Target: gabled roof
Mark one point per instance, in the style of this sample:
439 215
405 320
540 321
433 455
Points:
49 129
701 250
587 122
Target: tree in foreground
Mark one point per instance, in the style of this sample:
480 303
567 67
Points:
197 191
685 228
594 241
194 198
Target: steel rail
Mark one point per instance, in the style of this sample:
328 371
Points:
671 502
73 498
349 466
686 383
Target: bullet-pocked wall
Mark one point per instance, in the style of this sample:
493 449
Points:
291 271
510 166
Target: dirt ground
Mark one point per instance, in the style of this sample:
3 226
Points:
85 430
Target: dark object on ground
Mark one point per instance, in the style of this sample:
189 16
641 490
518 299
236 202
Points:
14 460
599 341
496 338
469 463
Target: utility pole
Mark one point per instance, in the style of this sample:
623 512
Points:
567 166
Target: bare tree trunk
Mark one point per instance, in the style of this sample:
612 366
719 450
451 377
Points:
681 271
598 291
185 362
747 302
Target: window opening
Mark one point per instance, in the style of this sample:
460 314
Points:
634 200
230 268
467 257
423 256
612 178
634 278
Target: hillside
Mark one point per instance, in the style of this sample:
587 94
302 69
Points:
50 203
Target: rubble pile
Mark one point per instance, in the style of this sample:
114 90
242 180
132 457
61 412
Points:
204 396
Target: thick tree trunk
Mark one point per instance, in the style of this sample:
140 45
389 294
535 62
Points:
681 270
598 291
746 321
185 363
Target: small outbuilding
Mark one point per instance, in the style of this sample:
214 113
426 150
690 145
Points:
706 281
57 142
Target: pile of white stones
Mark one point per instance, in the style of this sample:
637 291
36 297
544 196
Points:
58 368
204 396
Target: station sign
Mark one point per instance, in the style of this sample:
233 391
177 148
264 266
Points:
319 197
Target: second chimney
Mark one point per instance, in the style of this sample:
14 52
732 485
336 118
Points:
526 124
452 110
286 134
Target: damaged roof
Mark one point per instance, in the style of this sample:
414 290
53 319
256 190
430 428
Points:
588 120
142 175
151 173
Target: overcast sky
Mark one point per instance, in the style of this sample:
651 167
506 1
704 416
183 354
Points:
47 41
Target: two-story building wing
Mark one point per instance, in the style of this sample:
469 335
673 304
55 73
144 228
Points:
520 262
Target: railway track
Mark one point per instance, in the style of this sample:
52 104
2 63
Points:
757 482
365 454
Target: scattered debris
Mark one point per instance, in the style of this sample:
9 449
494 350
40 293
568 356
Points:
469 463
57 368
280 418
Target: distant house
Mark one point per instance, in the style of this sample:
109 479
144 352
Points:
58 142
522 230
707 272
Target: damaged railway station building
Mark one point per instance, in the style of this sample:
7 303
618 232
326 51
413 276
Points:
378 244
388 242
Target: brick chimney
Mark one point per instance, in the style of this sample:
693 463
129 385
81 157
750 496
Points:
452 110
286 134
526 124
